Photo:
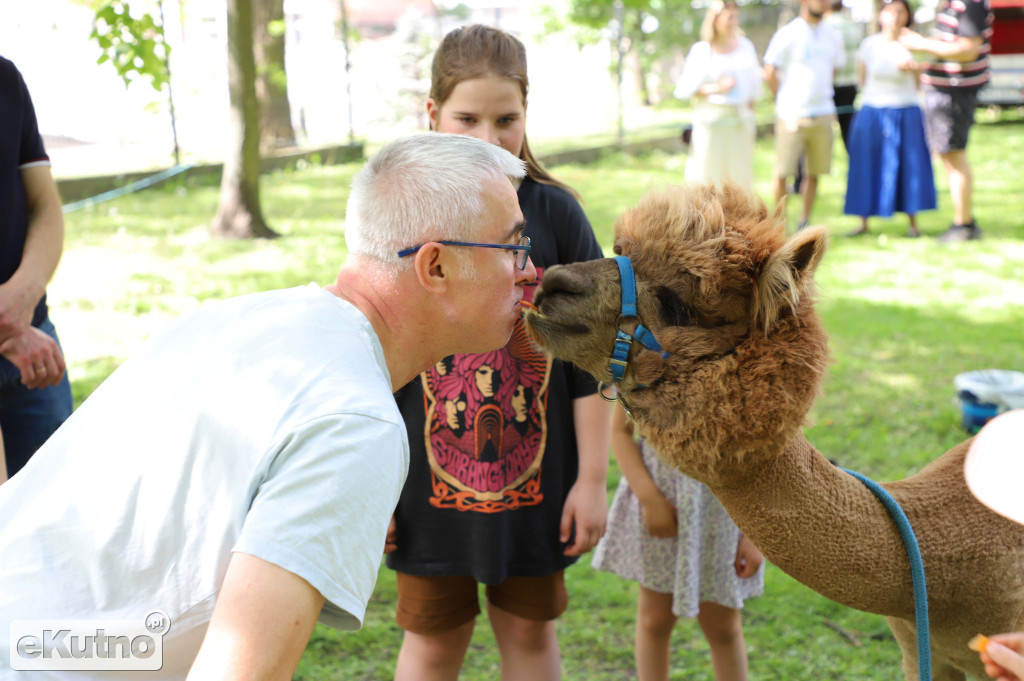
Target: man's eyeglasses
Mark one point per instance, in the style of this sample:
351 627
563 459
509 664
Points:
521 249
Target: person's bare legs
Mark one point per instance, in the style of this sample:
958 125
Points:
435 657
780 188
913 231
654 625
723 629
961 185
810 193
528 648
863 229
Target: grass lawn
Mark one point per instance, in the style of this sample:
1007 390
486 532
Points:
904 317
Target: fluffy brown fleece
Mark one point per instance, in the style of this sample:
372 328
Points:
731 300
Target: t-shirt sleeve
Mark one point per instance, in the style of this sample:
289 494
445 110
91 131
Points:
576 243
30 149
775 54
974 19
861 55
576 240
694 70
323 509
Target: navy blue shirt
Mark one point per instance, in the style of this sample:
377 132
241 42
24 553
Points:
20 146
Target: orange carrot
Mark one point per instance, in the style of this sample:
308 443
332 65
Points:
978 643
529 305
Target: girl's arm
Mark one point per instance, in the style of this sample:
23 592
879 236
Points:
748 558
660 516
586 505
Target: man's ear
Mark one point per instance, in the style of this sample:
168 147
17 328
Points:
432 266
433 113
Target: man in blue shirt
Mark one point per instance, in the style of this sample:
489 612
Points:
35 396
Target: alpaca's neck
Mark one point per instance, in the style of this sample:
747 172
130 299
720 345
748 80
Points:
821 526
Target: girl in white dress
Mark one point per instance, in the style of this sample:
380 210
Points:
722 76
670 534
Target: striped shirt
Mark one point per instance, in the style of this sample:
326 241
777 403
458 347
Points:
961 19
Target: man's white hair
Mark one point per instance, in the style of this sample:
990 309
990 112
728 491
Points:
425 187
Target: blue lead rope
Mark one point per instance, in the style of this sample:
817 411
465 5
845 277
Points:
924 660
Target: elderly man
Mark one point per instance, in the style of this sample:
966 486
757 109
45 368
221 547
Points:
235 479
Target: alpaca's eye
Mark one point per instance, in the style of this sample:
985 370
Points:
672 310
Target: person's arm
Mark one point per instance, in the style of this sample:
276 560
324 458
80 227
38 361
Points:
37 356
862 74
660 516
691 80
962 48
771 79
1004 659
260 626
586 505
44 242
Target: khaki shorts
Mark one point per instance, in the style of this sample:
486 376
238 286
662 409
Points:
433 605
810 138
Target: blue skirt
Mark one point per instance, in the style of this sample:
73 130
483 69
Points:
890 167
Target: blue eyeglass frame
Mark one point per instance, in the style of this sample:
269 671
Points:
522 249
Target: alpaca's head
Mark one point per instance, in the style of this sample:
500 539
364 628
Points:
727 297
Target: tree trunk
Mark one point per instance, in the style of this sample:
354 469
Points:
239 215
271 80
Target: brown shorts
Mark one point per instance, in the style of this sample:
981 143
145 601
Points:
810 138
432 605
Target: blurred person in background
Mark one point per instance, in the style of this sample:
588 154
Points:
723 78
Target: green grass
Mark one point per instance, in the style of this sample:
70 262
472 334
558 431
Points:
904 317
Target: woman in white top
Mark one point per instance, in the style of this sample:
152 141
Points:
890 167
723 77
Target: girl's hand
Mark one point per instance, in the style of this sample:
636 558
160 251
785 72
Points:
1002 657
661 518
748 558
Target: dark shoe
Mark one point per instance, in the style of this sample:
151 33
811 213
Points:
959 233
803 223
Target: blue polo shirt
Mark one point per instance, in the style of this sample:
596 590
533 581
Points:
20 147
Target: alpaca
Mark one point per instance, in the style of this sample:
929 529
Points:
730 301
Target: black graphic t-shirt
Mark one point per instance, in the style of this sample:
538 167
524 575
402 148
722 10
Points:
492 444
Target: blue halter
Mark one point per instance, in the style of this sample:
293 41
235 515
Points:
619 360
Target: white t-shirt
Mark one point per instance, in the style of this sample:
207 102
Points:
805 58
263 424
885 85
704 65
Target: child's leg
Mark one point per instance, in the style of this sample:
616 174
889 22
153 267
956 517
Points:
529 648
437 614
654 625
723 629
433 657
523 611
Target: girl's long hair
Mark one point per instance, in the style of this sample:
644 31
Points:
479 51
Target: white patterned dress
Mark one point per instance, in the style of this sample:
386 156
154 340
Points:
695 566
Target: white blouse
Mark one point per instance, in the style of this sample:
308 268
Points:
704 65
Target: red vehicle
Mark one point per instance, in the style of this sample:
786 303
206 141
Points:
1006 64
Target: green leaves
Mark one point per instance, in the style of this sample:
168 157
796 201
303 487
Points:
134 45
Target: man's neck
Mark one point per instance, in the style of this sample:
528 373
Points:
394 320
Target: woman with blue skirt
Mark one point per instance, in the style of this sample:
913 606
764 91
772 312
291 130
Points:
890 166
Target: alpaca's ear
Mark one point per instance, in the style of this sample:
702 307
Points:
788 275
